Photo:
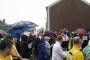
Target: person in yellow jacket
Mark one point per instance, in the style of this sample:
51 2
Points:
5 48
75 53
14 51
9 57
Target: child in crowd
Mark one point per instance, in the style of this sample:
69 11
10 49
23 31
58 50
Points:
5 49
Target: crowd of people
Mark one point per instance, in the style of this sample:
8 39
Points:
46 46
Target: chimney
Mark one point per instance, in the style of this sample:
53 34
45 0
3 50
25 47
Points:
4 20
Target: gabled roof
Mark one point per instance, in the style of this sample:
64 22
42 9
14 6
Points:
54 3
61 0
85 2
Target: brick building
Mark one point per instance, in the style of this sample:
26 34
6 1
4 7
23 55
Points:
69 14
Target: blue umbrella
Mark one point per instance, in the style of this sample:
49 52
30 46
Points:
24 24
18 30
20 27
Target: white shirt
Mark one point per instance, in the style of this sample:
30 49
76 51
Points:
65 38
85 38
58 53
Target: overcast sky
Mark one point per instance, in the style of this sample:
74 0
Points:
29 10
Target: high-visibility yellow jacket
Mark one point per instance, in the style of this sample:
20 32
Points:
89 42
9 57
14 51
75 53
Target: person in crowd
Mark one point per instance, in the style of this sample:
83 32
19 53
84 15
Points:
14 51
70 43
41 34
86 51
80 35
42 53
47 45
1 36
18 35
85 41
57 52
52 42
5 50
52 39
24 47
37 40
76 53
65 40
30 43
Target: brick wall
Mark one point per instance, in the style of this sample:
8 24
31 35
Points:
70 14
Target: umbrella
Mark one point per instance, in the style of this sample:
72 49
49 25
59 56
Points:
24 24
17 30
81 31
20 27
